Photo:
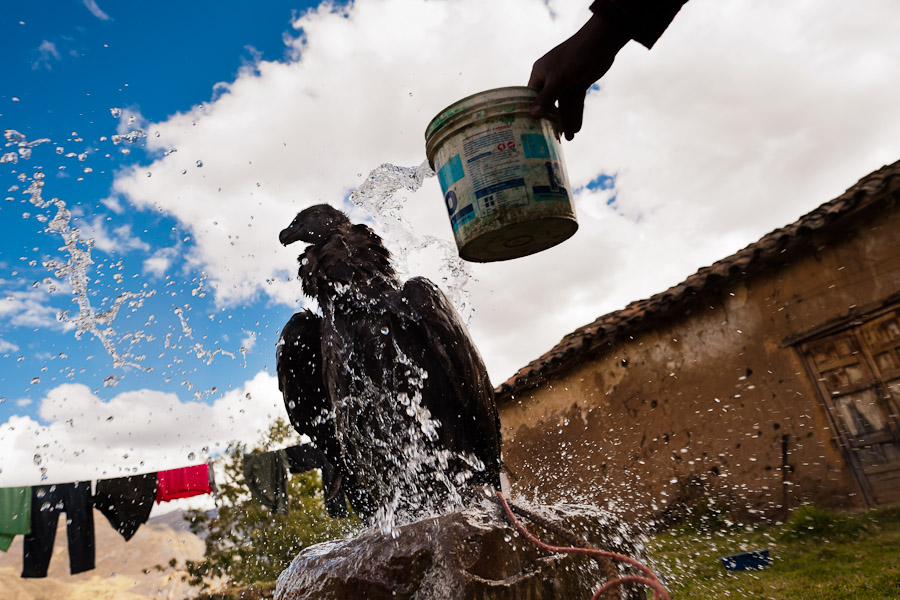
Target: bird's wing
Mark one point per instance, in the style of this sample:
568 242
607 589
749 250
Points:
298 361
471 395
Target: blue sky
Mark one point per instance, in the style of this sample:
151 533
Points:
67 64
233 116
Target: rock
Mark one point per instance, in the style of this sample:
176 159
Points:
468 554
258 591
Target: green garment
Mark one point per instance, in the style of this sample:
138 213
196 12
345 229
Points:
15 514
266 476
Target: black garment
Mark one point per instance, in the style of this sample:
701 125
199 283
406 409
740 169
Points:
47 501
266 475
126 501
302 458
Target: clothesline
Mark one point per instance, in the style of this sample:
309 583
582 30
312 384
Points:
126 502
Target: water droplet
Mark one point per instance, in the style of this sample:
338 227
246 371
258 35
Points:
115 112
192 456
199 163
37 459
384 330
35 380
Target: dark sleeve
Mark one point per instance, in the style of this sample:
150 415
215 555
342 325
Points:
643 20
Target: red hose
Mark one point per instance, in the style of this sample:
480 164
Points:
651 581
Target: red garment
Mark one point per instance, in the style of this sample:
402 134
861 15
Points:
182 483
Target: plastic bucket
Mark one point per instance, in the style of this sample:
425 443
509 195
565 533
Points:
502 173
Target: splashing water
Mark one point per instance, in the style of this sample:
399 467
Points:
393 440
78 272
96 321
378 195
391 437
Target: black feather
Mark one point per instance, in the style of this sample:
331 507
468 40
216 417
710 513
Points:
382 349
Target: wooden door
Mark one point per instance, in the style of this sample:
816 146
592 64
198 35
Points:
858 372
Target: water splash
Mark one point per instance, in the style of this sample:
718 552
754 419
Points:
388 434
393 440
129 137
74 271
378 196
24 147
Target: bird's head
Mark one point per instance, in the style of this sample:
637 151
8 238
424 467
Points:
313 225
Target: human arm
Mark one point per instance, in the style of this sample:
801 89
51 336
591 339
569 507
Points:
566 73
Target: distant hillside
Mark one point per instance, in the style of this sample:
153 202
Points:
124 569
175 520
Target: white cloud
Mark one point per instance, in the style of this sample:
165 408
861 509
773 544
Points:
158 264
23 402
47 53
89 437
119 241
131 125
736 123
6 346
92 6
30 308
113 204
248 341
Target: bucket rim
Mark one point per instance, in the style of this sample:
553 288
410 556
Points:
515 92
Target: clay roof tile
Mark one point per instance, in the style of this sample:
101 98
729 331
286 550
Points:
574 346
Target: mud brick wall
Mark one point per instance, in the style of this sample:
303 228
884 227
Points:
714 395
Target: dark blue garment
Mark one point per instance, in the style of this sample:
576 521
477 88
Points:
47 501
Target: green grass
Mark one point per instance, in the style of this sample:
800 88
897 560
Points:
817 555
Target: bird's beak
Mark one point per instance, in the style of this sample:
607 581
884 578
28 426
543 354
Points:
289 234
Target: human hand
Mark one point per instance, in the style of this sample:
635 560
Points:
565 74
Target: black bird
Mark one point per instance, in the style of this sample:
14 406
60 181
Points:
387 382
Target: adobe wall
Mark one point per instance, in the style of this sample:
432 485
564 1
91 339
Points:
712 394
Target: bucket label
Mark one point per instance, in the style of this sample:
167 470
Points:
491 156
534 145
556 190
451 172
462 217
502 175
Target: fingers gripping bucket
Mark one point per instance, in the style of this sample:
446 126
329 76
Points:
503 176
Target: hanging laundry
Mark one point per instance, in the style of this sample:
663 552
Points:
266 476
182 483
304 457
126 501
15 514
213 488
47 501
